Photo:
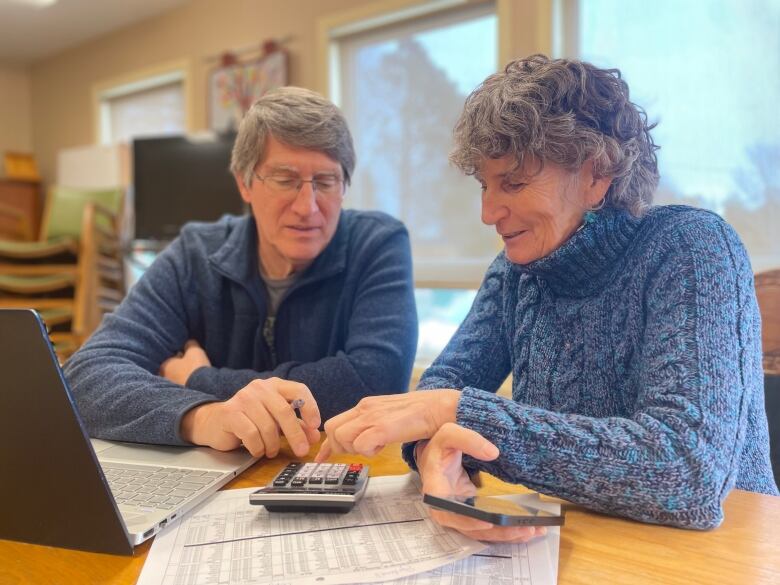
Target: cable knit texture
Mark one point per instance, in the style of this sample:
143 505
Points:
635 350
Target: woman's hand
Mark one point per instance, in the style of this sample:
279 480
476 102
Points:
440 465
379 420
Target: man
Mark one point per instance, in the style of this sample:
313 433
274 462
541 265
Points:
237 319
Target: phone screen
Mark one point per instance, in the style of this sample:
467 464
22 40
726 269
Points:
495 510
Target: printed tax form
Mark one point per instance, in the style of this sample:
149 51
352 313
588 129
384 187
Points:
387 538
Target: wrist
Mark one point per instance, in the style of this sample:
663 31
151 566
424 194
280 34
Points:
448 412
192 377
193 422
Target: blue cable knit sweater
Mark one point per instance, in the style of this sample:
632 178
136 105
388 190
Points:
635 350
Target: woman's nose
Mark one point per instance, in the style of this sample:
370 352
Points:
492 210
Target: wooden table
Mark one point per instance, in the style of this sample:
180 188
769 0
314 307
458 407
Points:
595 549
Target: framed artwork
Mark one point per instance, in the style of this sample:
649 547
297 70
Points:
234 86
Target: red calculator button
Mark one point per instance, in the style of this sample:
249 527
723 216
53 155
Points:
356 467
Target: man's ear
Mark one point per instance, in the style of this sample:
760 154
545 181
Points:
595 187
242 188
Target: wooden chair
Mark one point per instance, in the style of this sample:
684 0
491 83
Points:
768 294
74 273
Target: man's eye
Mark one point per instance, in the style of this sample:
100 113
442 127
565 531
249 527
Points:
285 181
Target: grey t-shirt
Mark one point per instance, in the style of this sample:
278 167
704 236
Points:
275 288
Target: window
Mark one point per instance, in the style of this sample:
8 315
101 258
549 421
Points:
440 311
402 88
149 103
709 74
401 84
154 106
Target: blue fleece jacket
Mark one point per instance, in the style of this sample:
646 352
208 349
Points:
347 327
635 350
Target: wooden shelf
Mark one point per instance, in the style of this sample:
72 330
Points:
21 205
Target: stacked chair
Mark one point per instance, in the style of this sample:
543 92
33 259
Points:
73 274
768 294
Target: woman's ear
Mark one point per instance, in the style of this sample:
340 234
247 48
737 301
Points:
594 187
242 188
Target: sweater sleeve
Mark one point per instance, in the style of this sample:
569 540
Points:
114 378
380 346
475 356
675 459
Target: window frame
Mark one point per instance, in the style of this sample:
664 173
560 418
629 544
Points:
525 27
104 91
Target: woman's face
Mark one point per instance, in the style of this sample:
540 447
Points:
535 212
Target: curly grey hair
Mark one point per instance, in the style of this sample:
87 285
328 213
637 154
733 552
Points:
566 112
299 118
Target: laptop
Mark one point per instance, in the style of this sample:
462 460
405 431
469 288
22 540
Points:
58 487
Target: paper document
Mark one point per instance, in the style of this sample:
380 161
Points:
386 536
532 563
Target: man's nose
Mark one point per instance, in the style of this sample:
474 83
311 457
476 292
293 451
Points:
305 202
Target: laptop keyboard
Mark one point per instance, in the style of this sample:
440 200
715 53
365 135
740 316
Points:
155 487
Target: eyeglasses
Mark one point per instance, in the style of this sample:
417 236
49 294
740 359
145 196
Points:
288 186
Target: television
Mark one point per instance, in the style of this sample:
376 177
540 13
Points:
177 179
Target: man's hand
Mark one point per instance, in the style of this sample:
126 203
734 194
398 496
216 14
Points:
440 464
254 416
379 420
180 367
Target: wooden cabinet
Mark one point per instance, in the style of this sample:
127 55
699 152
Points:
21 204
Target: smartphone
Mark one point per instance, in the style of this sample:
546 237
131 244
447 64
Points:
497 511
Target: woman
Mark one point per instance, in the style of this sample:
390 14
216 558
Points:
632 332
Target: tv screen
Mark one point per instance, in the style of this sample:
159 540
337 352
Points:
179 179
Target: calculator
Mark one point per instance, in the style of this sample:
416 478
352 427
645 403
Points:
314 487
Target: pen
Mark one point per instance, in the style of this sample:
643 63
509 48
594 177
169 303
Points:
296 404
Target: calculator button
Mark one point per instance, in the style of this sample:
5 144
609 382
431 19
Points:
348 480
280 481
356 467
315 479
332 480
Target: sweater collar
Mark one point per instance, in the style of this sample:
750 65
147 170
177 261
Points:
236 258
587 261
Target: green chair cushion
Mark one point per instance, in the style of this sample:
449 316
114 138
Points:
67 208
33 250
35 284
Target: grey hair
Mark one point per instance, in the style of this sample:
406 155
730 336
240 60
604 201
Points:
566 112
296 117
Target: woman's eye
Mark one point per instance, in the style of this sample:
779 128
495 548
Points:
513 187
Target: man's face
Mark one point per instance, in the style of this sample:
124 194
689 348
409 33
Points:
294 225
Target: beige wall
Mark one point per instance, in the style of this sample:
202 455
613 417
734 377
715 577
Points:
15 116
62 87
